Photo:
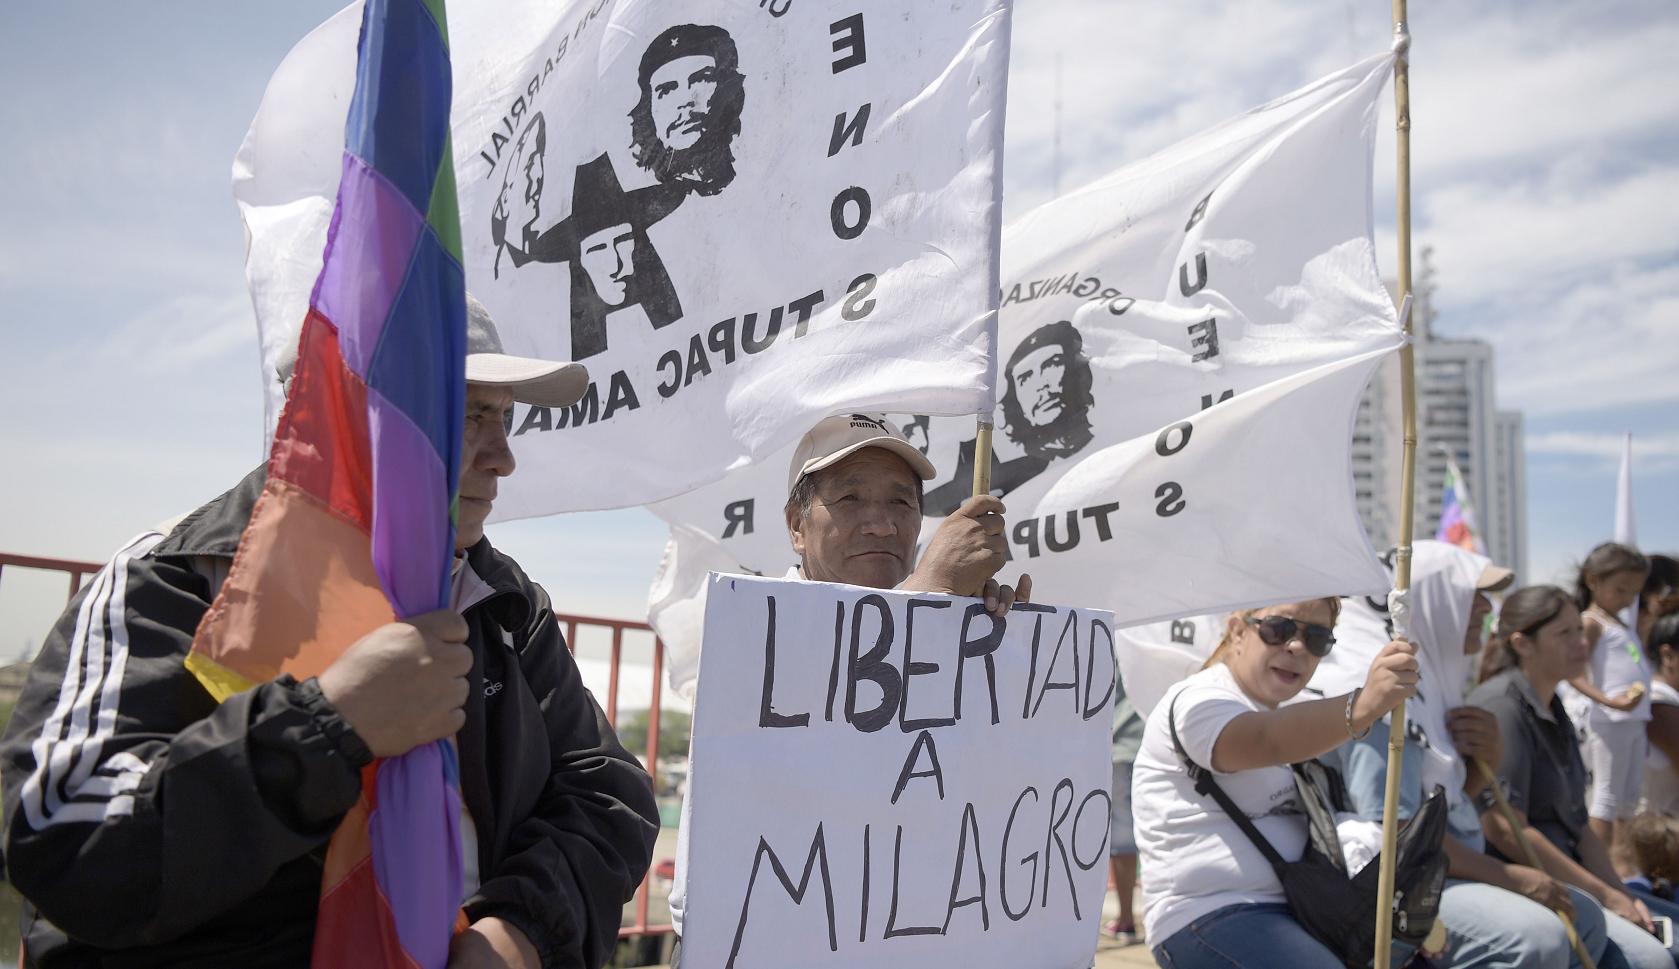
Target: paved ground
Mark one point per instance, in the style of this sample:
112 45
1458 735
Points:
1113 955
1109 954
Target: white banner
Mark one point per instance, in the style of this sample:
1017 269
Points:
1155 655
879 779
743 217
1184 343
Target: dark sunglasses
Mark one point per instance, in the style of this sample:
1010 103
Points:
1278 630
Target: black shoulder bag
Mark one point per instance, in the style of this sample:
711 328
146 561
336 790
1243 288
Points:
1337 909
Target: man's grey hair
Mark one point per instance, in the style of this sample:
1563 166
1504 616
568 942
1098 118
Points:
804 493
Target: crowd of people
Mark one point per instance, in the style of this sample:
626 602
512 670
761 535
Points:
1568 718
128 792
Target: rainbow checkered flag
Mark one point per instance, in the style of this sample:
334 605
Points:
355 525
1457 513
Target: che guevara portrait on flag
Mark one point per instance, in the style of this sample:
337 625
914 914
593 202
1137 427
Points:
682 132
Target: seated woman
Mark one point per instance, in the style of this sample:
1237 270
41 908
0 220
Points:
1496 913
1212 899
1542 642
1661 764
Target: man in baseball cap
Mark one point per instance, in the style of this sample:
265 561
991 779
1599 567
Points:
853 513
854 490
544 383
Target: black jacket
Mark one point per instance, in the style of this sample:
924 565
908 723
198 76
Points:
148 826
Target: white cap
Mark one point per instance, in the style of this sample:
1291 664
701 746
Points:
833 439
1494 578
545 383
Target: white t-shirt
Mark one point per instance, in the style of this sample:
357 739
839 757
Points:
1617 663
1661 785
1194 858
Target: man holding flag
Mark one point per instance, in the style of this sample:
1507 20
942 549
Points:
320 721
142 817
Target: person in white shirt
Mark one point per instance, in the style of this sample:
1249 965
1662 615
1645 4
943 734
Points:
1211 898
1661 767
1618 683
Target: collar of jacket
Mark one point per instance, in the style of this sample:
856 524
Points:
214 529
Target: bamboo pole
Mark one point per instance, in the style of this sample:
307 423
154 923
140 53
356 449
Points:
1382 957
1532 857
982 458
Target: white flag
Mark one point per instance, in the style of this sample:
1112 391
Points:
1626 523
742 217
1626 526
1184 343
1155 655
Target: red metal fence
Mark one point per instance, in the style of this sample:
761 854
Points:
616 628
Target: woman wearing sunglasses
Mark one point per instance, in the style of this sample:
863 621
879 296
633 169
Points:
1541 642
1212 899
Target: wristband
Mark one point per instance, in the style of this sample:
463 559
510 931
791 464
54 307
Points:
1352 699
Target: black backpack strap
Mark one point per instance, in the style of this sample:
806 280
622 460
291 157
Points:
1206 785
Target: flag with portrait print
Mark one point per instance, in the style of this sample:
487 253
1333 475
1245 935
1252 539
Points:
742 217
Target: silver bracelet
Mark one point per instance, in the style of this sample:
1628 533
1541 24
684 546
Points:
1352 698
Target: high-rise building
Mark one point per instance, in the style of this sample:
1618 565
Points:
1509 503
1457 417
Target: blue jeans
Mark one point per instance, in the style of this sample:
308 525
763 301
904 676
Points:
1657 906
1638 948
1490 928
1253 936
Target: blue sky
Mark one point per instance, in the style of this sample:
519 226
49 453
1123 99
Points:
1546 179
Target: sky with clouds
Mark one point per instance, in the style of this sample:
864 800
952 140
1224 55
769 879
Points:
1546 181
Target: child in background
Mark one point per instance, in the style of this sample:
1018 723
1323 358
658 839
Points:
1654 843
1619 686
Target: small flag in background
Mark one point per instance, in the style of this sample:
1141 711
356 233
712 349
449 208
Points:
1626 523
1457 513
355 525
1626 527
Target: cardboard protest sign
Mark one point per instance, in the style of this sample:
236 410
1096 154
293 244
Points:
1182 345
742 217
882 779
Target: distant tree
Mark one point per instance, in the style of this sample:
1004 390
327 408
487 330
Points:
673 732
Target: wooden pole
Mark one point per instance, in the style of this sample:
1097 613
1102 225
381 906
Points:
982 458
1408 475
1531 856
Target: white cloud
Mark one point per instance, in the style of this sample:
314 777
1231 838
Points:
1570 349
1492 92
1651 453
1495 238
181 335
